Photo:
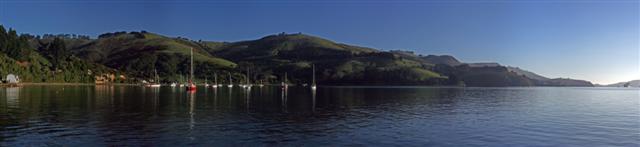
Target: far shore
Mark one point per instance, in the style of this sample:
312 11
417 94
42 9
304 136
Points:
362 86
125 84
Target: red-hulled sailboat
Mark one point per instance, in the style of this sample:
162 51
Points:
192 86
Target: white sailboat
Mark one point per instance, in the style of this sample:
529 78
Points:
215 80
181 81
284 83
206 83
313 83
230 81
156 82
247 81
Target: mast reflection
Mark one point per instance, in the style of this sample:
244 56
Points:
284 99
313 100
247 97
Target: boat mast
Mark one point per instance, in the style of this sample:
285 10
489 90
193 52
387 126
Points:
215 78
191 76
156 73
313 66
247 76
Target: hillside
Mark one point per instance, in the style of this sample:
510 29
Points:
337 63
528 74
288 47
139 53
35 61
135 55
442 59
633 83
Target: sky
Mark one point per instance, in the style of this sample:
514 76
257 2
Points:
595 40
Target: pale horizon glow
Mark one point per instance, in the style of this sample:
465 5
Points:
597 40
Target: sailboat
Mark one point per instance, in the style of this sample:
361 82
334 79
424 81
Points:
230 81
181 81
313 83
173 84
247 84
243 85
206 83
284 83
215 80
156 81
191 86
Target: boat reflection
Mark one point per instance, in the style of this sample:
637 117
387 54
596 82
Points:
313 100
284 98
13 94
192 121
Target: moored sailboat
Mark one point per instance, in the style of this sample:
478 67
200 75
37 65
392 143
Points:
192 85
181 81
230 81
247 80
206 83
156 82
215 80
313 83
284 83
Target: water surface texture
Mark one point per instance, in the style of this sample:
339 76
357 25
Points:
329 116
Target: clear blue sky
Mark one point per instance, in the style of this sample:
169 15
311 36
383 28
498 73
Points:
596 40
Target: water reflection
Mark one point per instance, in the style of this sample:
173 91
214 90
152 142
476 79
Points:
137 116
284 98
12 100
215 98
192 103
247 97
313 100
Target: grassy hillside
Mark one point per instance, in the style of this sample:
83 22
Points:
287 46
139 53
116 48
336 63
60 58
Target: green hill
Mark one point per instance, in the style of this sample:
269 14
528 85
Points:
139 53
135 55
337 63
288 47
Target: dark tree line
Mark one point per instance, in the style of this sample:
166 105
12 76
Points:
16 47
66 36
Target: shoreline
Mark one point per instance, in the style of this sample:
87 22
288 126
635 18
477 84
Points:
329 86
70 84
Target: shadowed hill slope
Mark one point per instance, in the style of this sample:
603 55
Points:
267 59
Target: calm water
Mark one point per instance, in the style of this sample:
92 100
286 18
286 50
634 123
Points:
331 116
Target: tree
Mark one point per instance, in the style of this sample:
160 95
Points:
17 47
57 52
